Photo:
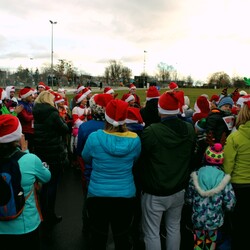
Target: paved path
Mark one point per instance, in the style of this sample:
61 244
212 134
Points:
68 235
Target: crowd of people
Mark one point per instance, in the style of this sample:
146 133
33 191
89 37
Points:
149 171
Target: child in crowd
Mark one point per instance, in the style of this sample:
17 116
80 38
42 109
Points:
209 194
220 120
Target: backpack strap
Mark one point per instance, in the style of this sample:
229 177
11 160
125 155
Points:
17 155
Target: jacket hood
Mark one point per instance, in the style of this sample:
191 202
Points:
210 180
115 143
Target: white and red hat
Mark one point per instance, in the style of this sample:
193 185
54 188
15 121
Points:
3 95
58 98
25 92
101 99
86 91
132 86
80 88
242 100
134 116
170 102
152 93
128 98
9 89
42 85
10 128
242 93
173 85
116 112
79 97
108 90
98 102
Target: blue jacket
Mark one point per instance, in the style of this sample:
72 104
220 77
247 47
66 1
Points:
85 129
112 156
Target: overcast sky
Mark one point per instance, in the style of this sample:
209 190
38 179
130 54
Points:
197 37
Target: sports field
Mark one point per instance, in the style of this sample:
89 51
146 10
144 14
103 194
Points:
192 93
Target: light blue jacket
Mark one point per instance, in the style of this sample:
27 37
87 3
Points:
31 169
112 156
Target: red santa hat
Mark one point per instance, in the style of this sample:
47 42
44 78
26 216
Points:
98 102
116 112
10 128
25 92
132 86
152 93
108 90
202 105
79 97
48 88
42 85
170 102
242 100
214 98
80 88
173 85
102 99
58 98
86 91
134 116
247 103
3 95
201 108
128 98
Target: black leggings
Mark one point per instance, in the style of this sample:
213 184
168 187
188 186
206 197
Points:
29 241
114 212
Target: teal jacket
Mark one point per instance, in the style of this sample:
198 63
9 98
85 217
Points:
236 155
32 170
167 149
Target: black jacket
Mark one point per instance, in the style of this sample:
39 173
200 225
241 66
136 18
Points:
49 130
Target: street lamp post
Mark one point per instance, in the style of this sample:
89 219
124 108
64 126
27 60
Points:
144 69
52 53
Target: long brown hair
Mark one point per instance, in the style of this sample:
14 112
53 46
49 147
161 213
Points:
243 116
112 129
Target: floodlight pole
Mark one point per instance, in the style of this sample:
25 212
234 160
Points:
52 52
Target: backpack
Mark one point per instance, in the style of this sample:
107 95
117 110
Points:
10 172
4 192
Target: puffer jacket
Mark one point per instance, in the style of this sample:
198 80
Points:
112 156
49 130
210 194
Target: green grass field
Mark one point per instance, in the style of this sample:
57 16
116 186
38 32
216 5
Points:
192 93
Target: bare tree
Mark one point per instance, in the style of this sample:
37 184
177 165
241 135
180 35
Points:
115 72
166 72
219 79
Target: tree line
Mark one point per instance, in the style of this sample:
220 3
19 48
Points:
115 74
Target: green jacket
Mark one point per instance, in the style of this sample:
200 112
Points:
167 149
236 155
4 110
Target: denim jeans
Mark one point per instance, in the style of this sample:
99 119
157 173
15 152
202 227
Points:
153 208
